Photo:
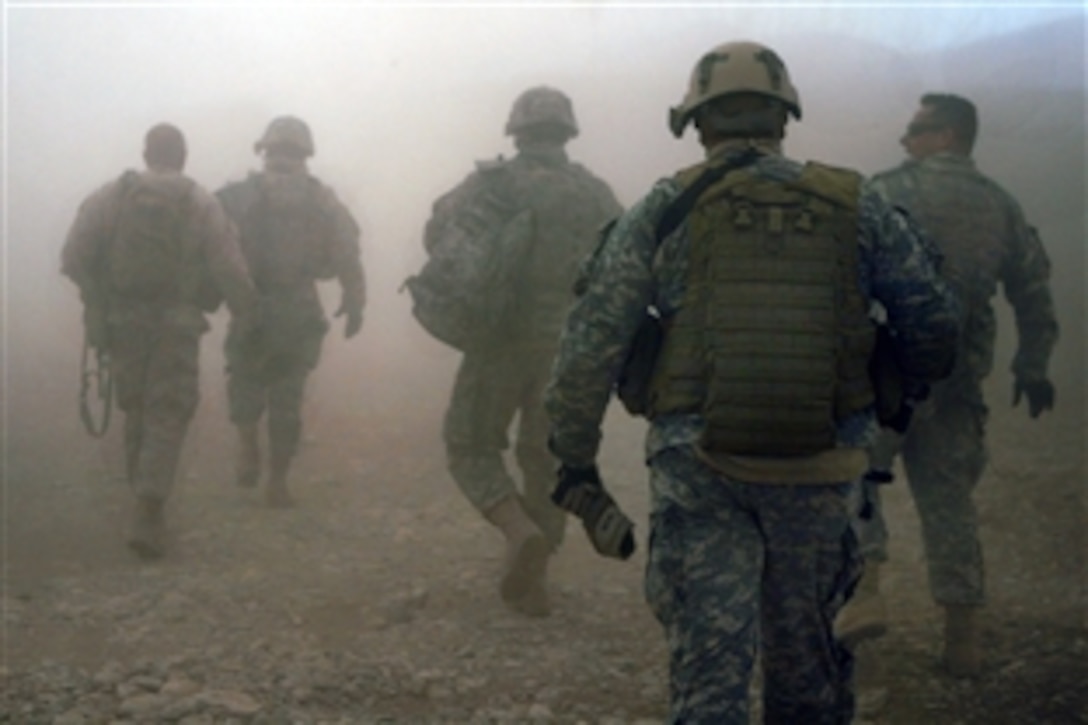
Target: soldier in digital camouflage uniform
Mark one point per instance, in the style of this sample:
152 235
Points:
506 378
760 406
147 311
985 240
294 232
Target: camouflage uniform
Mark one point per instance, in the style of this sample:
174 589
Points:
497 382
984 240
154 344
728 558
271 373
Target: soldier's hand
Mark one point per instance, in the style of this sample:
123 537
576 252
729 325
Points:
581 492
1040 395
354 322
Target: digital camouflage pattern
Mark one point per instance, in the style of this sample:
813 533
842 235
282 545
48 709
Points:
494 383
985 241
154 343
294 232
728 557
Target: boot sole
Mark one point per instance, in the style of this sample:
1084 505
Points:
527 568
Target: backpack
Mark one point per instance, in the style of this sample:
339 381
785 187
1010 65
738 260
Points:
286 231
466 293
147 255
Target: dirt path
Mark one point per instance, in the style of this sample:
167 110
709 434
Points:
374 601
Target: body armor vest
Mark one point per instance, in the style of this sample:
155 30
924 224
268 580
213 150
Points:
773 341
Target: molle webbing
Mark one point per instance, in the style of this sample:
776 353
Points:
773 341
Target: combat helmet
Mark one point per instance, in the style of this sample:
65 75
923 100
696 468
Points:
541 105
286 131
738 67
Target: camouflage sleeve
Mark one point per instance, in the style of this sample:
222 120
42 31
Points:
81 254
618 287
223 254
1026 280
902 274
347 257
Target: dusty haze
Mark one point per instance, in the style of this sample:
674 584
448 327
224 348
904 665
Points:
401 103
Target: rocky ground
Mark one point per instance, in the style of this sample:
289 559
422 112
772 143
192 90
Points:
375 599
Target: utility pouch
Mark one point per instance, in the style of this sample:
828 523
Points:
633 383
887 379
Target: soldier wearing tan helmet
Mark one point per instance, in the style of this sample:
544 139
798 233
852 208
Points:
761 271
548 209
145 307
294 232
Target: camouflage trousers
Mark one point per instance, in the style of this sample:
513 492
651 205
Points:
155 367
944 455
270 376
493 387
735 567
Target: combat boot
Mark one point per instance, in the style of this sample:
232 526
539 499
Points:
865 615
961 651
526 560
247 467
147 533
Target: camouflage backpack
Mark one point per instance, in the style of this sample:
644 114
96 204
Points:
465 294
147 255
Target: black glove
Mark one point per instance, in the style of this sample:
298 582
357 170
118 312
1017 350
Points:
581 492
1040 395
355 319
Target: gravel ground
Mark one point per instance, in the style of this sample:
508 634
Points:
375 600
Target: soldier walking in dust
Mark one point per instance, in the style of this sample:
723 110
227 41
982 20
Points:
505 377
294 232
152 252
763 270
985 240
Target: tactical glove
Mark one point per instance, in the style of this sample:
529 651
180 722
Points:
1040 395
581 492
355 319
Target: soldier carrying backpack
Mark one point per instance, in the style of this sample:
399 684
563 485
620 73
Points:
151 253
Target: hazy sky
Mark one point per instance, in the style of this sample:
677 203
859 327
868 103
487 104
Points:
402 100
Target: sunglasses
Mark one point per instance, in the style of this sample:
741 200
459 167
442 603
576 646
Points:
919 129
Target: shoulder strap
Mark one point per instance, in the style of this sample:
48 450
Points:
679 209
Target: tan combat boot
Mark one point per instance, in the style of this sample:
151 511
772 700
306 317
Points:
865 615
524 579
961 651
247 467
147 533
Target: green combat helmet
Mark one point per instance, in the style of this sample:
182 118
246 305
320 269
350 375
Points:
739 67
541 105
286 131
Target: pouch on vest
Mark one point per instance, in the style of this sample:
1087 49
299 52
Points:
147 256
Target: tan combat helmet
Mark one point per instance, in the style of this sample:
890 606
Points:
739 67
287 131
541 105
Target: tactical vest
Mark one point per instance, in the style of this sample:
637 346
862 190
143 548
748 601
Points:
773 341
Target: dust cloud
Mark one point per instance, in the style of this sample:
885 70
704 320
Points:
403 101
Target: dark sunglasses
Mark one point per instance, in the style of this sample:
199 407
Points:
918 129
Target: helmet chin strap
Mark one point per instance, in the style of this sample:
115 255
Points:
762 123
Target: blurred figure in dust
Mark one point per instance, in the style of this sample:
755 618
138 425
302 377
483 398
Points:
985 241
294 232
152 252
